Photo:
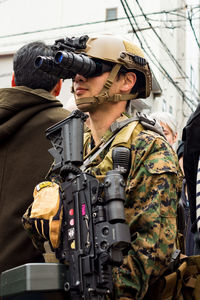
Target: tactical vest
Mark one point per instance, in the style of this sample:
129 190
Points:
122 139
182 282
123 134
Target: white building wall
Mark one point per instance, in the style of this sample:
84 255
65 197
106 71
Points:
5 70
23 21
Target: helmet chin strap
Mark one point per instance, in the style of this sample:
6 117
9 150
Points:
91 102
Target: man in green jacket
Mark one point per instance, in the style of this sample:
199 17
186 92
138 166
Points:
27 109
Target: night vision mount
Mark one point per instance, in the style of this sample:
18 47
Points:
71 44
67 62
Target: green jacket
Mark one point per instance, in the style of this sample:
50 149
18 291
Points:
25 114
153 187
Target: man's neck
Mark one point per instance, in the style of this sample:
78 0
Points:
102 118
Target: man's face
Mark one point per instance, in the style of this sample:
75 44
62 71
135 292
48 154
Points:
89 87
92 86
171 138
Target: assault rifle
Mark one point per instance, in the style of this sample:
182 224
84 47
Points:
94 232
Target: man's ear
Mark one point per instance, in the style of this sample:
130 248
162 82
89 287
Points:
56 90
13 80
129 82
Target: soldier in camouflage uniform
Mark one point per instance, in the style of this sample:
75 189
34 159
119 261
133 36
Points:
153 181
153 178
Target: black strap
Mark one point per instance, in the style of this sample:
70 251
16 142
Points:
93 156
146 122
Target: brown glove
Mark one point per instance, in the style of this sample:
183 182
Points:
43 218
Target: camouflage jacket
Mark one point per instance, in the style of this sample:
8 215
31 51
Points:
152 191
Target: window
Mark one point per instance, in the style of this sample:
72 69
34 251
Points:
170 110
111 14
164 105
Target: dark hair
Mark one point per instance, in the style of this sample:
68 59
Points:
140 81
25 72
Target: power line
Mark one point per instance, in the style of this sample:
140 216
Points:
191 25
92 23
172 11
182 72
159 66
134 30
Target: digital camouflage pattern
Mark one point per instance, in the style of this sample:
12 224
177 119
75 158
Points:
153 186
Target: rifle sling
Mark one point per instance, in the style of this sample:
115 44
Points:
115 128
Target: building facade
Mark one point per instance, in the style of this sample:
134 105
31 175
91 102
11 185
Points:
167 31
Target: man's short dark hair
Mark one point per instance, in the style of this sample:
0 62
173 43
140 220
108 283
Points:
140 81
25 72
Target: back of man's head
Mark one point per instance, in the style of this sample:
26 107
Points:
24 71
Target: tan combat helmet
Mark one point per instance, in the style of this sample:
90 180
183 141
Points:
122 53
